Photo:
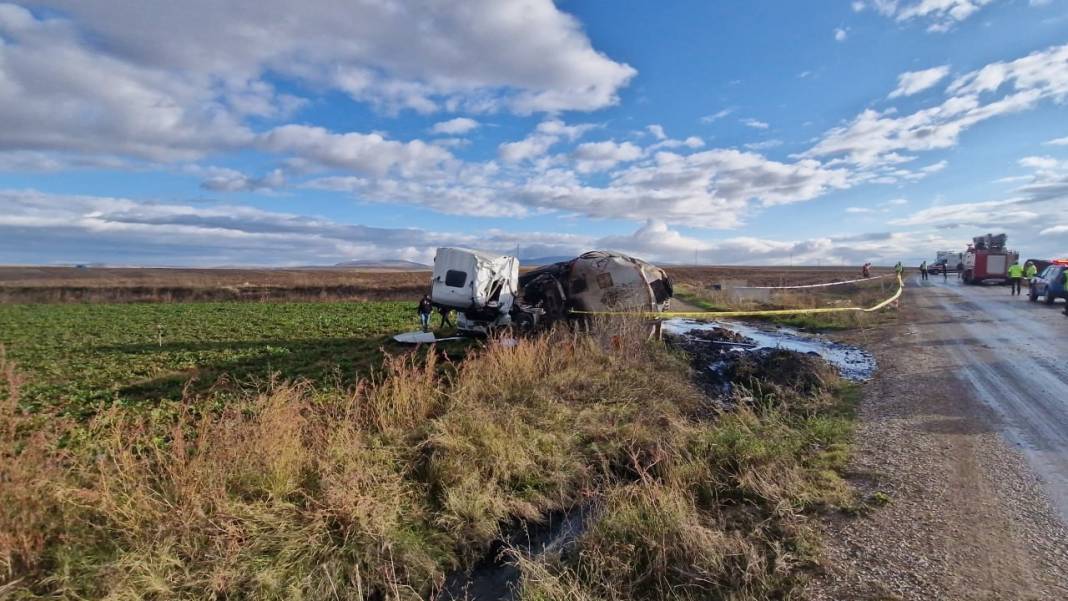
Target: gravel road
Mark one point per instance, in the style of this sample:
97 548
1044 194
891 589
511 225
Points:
965 429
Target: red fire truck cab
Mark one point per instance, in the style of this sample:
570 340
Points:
987 260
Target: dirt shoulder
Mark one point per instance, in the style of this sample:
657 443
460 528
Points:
967 518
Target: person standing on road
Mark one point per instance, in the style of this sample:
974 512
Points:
1030 271
1015 275
865 270
899 269
923 271
425 309
1064 274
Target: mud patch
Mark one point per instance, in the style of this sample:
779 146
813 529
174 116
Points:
729 353
496 576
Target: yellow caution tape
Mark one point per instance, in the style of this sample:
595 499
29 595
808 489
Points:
719 314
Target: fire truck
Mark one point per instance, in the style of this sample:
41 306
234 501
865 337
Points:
987 260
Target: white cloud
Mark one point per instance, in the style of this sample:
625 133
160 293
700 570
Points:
657 131
181 80
459 125
713 188
764 145
1045 71
840 34
1058 141
716 116
1027 211
940 15
599 156
83 229
913 82
36 227
219 179
876 138
541 140
882 207
754 123
1039 2
523 55
692 142
359 152
657 242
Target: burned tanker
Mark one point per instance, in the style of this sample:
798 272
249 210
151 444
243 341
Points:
487 290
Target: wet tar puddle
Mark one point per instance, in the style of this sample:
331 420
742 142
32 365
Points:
852 363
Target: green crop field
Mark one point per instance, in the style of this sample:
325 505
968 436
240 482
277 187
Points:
80 357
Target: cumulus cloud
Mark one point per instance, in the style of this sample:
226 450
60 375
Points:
599 156
840 34
914 82
59 94
359 152
657 131
545 135
459 125
713 188
175 81
521 55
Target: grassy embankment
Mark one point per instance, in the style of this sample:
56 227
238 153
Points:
274 490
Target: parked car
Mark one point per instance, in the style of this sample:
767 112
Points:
1049 284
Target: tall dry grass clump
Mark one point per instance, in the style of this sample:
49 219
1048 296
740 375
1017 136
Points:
293 493
289 492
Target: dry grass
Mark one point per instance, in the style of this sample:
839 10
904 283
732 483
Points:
861 294
380 490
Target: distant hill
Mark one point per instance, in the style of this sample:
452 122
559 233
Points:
384 264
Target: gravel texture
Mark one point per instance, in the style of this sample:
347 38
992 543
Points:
957 510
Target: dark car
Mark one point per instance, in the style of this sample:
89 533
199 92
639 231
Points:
1050 284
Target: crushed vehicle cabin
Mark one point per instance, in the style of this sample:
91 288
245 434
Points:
487 290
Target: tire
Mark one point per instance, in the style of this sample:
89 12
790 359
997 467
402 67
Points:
1049 296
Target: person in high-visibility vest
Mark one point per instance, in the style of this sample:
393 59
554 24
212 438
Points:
1030 270
899 269
1015 274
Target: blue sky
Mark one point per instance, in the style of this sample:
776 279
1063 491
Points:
255 133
